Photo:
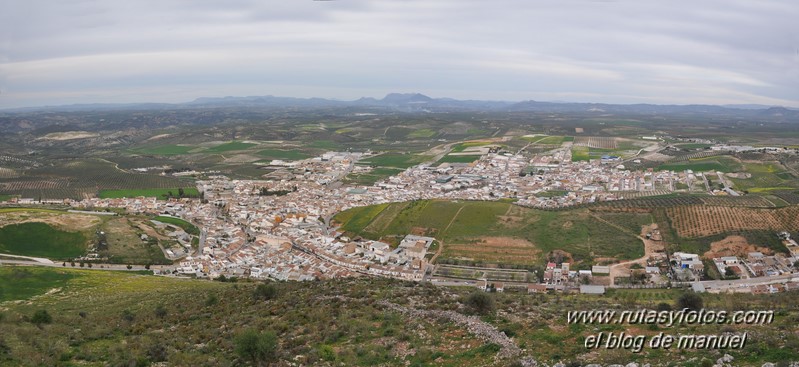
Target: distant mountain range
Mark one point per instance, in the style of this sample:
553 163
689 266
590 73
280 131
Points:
416 102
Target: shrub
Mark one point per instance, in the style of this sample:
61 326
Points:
256 347
265 292
480 303
211 300
128 315
160 311
41 317
690 300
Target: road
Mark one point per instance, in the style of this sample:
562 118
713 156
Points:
35 261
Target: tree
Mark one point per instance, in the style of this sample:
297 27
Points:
129 266
728 272
181 192
257 347
480 303
41 317
691 301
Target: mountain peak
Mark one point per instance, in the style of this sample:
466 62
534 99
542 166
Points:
406 98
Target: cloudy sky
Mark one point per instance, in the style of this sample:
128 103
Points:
622 51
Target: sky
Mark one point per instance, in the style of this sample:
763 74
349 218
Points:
609 51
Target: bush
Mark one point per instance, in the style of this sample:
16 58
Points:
327 353
691 301
41 317
480 303
663 306
256 347
211 300
128 315
157 353
265 292
160 311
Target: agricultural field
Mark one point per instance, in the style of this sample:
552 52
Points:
703 221
62 235
580 153
369 178
460 147
496 232
229 147
161 194
126 246
458 159
394 160
547 140
78 179
422 133
41 240
165 150
765 177
286 155
601 142
713 163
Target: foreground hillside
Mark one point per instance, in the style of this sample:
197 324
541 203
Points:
72 317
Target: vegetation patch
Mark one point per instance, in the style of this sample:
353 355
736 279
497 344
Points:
41 240
458 159
161 194
25 282
188 227
287 155
166 150
228 147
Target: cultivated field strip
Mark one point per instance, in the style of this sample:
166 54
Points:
701 221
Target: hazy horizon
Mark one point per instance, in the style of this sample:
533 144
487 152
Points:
621 52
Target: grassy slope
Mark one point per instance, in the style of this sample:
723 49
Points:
203 318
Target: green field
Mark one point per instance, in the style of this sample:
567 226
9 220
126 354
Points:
5 197
580 153
422 133
41 240
25 282
229 147
716 163
166 150
574 231
287 155
161 194
368 179
394 160
188 227
458 159
460 147
766 176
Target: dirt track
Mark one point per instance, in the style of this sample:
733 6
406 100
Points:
650 248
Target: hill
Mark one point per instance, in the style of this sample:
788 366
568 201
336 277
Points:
114 318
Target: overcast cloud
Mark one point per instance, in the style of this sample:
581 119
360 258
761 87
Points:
636 51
